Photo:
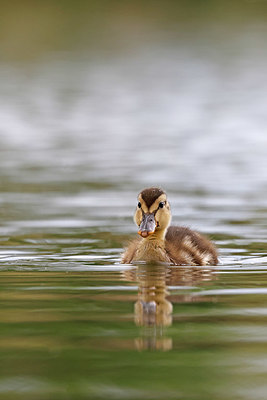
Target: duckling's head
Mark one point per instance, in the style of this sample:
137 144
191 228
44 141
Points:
153 214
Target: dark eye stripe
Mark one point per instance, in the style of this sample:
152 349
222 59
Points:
162 202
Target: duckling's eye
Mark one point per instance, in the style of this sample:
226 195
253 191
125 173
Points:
161 204
139 205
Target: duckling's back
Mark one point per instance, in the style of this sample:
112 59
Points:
187 247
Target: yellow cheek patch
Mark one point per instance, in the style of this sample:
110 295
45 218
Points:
138 216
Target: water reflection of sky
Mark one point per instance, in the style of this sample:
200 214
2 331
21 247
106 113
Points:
168 97
165 116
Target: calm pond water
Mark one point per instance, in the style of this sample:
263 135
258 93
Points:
95 106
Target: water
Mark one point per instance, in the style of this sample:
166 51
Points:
87 120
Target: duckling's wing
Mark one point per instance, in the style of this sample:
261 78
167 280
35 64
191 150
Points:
187 247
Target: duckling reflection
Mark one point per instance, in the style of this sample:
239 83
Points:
153 308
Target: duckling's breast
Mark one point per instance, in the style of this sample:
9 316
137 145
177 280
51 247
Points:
151 251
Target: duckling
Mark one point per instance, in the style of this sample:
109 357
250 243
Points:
159 242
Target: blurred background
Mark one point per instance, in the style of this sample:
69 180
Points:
99 99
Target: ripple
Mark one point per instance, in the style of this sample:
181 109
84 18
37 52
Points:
230 292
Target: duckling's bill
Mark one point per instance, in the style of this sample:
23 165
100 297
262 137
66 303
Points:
148 225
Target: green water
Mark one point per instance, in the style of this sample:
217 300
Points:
98 100
80 335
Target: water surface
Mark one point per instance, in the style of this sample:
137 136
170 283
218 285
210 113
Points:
102 102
